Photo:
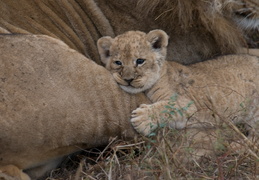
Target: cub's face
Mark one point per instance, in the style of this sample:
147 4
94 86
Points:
134 58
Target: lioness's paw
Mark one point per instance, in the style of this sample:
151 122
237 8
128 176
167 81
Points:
11 172
142 120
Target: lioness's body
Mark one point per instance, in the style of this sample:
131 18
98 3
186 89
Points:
227 86
198 29
54 101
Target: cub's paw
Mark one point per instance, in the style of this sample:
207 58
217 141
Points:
143 120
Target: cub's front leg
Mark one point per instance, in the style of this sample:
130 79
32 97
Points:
147 118
144 119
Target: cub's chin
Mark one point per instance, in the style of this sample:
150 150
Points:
133 90
149 82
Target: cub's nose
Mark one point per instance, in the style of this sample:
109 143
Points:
128 80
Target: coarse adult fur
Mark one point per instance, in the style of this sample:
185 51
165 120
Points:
198 29
53 102
223 87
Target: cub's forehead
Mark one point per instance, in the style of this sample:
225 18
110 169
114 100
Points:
131 40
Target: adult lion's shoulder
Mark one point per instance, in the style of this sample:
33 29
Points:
51 100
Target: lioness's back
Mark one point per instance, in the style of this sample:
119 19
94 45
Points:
53 101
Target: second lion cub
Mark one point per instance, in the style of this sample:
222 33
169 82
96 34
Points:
223 87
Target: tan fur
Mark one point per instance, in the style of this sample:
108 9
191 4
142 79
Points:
223 87
13 172
54 101
79 24
198 29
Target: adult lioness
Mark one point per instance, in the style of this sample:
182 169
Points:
54 102
227 86
198 29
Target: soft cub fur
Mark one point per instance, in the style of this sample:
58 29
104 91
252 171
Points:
223 88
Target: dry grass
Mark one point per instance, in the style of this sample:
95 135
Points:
188 154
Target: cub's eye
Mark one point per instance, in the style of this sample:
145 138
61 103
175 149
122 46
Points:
140 61
118 63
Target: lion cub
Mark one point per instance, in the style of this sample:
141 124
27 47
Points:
223 88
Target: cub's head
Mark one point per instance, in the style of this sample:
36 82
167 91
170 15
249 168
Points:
134 58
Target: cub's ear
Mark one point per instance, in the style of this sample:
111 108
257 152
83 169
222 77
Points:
158 39
103 45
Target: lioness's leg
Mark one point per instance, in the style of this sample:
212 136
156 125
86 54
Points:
41 170
10 171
